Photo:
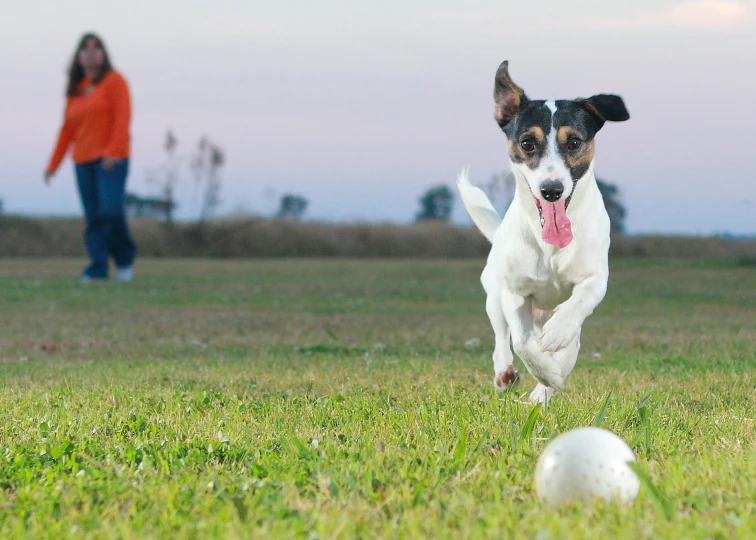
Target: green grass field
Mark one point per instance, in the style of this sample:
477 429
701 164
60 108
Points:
341 399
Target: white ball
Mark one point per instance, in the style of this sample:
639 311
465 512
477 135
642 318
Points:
583 464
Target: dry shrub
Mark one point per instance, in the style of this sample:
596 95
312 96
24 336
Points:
259 237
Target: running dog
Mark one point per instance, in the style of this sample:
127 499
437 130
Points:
548 265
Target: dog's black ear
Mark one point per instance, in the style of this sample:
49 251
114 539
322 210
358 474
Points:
508 97
605 108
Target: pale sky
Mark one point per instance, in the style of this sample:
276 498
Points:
362 106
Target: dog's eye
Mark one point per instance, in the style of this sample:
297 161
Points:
574 143
528 145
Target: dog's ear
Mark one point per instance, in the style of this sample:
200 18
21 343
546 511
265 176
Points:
605 108
508 97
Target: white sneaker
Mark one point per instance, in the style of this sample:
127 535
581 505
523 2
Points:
86 278
124 274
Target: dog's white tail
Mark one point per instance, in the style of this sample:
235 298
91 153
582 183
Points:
482 212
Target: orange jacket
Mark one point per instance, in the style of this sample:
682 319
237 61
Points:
97 123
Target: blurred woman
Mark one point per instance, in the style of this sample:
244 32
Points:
96 124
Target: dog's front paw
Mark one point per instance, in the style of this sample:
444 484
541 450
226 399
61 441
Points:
558 332
506 379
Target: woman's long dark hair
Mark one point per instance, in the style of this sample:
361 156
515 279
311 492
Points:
76 72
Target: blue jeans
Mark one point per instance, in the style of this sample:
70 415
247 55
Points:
107 234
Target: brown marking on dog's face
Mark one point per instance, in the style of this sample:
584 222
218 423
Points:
577 159
518 154
580 160
564 134
576 147
537 133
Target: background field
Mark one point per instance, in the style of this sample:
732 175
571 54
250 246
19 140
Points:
342 398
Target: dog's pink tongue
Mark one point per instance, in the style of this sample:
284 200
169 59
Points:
557 229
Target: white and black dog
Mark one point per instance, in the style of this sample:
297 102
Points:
548 265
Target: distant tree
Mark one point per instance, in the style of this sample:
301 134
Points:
614 207
436 204
167 176
156 207
292 207
205 166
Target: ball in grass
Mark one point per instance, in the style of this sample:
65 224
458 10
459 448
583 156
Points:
584 464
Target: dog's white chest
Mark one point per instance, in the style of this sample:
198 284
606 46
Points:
545 286
548 295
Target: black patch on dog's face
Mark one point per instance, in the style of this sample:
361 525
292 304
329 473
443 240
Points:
532 123
574 123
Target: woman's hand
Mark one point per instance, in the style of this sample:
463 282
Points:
108 163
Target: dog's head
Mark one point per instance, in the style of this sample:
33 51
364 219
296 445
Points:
551 145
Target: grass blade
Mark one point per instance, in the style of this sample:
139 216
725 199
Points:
656 494
241 508
645 398
513 436
483 439
527 429
459 451
602 411
645 434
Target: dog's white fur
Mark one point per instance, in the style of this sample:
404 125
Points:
524 275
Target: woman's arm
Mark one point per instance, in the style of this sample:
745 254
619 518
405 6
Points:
61 147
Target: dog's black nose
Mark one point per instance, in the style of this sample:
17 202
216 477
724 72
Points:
552 190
